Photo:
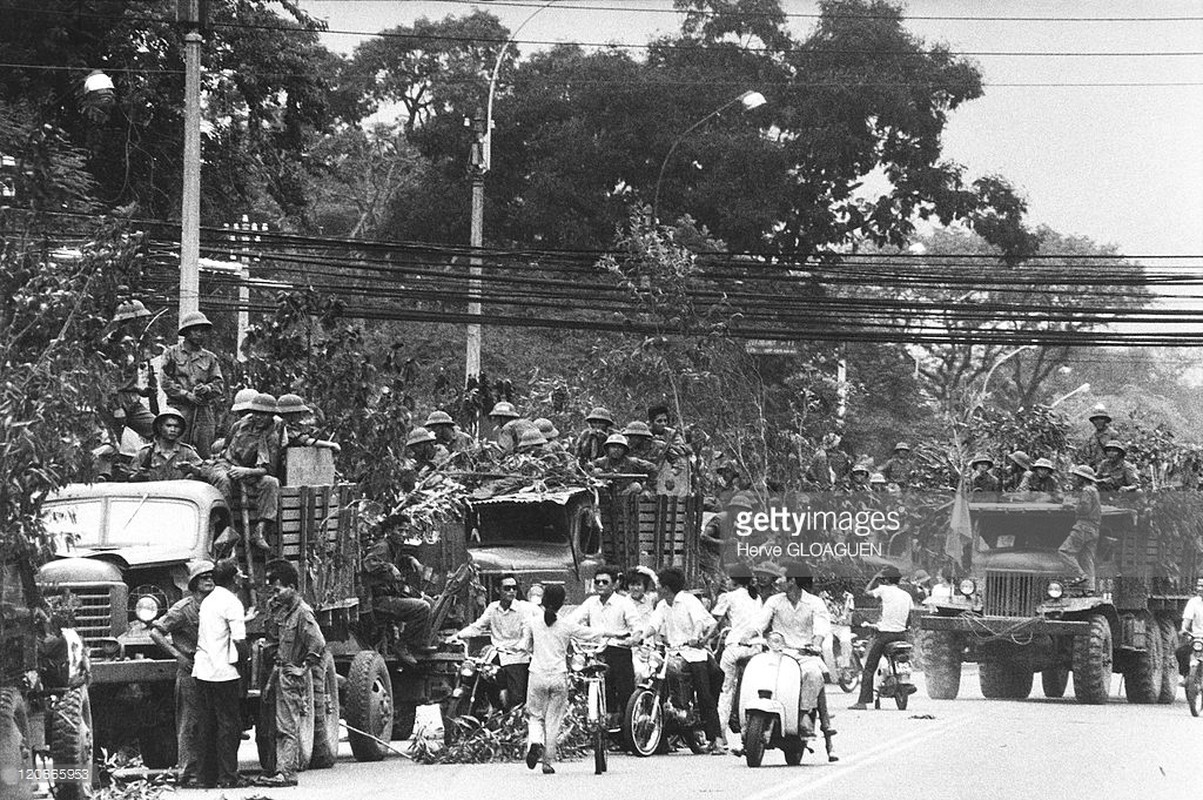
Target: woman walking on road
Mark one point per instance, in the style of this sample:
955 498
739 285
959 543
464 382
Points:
547 692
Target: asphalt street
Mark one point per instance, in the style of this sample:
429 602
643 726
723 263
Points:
964 748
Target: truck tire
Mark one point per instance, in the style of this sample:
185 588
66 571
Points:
1169 662
1053 681
15 747
71 742
1142 679
943 672
325 715
369 705
1092 662
1005 679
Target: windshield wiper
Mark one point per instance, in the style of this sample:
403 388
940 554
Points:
141 503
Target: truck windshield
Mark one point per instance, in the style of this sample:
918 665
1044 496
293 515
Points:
132 522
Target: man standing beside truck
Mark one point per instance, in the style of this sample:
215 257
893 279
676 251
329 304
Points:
220 644
181 623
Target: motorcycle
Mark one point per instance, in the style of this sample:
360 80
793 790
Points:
893 676
1194 678
662 706
768 710
848 675
477 690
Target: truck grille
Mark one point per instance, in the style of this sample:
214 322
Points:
1012 594
92 609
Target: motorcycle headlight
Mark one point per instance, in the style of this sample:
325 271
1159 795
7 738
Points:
967 587
654 660
776 642
468 669
1197 645
1055 590
147 608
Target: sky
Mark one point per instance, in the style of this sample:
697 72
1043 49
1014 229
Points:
1119 163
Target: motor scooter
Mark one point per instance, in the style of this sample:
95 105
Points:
1194 677
893 676
768 703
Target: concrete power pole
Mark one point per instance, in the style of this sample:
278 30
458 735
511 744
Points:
476 169
191 14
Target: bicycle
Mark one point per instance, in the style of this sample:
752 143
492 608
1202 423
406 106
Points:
587 663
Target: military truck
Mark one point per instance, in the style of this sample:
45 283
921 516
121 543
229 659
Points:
1015 616
123 555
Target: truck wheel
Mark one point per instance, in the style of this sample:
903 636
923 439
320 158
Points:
71 742
1169 662
1054 680
943 672
325 715
369 705
1092 662
15 749
1142 679
1005 680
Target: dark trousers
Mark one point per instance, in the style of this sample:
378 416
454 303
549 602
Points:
620 680
219 731
1183 656
872 659
200 428
513 678
412 611
703 676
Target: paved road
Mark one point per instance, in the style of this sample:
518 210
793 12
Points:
970 748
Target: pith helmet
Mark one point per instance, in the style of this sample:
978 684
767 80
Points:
618 438
547 428
439 417
981 458
902 446
418 436
531 437
194 319
1099 411
741 500
1083 471
291 404
862 466
263 403
197 570
169 413
1043 463
600 414
637 428
1115 444
132 309
243 400
504 409
1021 458
877 477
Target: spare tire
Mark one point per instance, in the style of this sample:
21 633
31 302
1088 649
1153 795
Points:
71 743
369 706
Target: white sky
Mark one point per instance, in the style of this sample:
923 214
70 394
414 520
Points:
1118 164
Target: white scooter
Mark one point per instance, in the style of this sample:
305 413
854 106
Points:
768 703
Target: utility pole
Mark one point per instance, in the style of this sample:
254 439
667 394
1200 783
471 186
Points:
191 14
477 169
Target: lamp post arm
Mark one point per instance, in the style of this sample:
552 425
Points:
676 142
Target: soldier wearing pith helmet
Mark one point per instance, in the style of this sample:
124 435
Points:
167 458
1092 452
900 468
591 443
441 424
193 381
510 425
1115 472
137 381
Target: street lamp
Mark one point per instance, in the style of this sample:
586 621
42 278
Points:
749 100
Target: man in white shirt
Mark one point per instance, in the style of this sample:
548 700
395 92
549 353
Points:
1192 627
741 606
683 623
506 621
895 613
220 643
803 620
618 619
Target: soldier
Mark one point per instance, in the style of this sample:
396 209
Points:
1092 452
981 477
1018 465
423 455
819 473
1077 551
252 459
510 426
878 482
551 434
1041 479
643 445
446 433
137 379
675 454
618 461
299 430
167 458
720 528
299 646
192 381
591 444
900 468
391 574
531 442
1116 473
858 477
730 481
180 623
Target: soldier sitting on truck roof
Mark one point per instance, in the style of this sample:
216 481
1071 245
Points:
251 460
1116 473
1041 479
299 427
166 458
617 461
391 573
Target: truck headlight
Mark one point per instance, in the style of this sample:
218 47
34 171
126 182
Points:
1055 590
147 608
967 587
1197 645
